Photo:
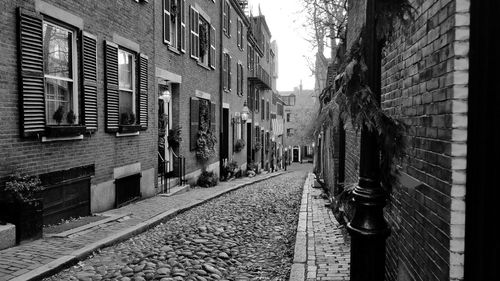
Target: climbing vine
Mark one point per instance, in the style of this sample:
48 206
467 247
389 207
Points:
352 100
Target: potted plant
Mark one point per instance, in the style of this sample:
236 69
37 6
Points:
127 123
174 137
22 207
239 145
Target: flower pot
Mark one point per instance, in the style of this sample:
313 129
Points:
27 216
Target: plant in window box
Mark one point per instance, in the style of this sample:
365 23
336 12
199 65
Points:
203 39
239 145
64 130
258 146
174 137
20 205
205 145
127 123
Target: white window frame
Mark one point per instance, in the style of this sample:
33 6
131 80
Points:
166 14
133 90
74 74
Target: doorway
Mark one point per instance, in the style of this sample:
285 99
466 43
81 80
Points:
224 145
165 157
249 143
296 154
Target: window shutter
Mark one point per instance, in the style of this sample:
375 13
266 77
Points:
31 80
167 23
237 79
238 39
112 94
194 32
229 21
229 72
213 53
241 79
224 72
194 122
213 122
143 92
89 73
182 37
224 17
263 110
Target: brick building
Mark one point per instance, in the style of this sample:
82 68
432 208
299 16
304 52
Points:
76 106
301 107
424 80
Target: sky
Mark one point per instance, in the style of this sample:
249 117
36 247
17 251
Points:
285 22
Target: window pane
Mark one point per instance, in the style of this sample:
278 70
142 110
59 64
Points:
125 69
59 99
57 46
126 104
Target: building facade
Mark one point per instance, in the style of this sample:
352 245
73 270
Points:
100 98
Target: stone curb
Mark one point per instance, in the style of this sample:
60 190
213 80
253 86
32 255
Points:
298 270
58 264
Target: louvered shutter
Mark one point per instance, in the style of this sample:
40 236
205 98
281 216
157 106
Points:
143 92
213 124
224 17
112 93
224 72
238 35
89 73
167 23
194 32
213 53
229 72
238 80
194 122
182 41
31 84
229 21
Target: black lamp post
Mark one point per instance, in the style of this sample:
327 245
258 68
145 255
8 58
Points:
368 228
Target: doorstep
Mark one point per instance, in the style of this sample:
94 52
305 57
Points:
179 189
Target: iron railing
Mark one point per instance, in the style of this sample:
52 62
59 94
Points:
166 176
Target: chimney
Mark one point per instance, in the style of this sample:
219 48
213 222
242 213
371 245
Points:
300 87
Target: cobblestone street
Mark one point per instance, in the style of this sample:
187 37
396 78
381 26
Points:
243 235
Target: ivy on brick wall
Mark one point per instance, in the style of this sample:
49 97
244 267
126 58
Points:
352 100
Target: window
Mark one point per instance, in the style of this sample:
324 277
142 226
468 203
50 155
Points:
288 132
267 110
226 19
126 85
263 107
202 115
257 99
174 24
227 72
60 74
202 39
288 117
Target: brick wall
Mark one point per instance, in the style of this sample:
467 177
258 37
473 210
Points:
128 19
194 77
424 80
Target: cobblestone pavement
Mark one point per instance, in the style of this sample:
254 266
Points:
328 245
30 260
248 234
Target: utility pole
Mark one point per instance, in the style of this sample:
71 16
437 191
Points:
368 228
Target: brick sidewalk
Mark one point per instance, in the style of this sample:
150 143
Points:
322 248
45 256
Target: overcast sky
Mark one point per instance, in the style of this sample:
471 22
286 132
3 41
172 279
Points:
285 23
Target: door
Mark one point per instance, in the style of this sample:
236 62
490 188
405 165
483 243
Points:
224 145
295 155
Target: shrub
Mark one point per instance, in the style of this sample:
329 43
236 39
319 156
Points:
208 179
239 145
21 187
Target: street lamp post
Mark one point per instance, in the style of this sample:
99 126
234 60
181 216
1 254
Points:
368 228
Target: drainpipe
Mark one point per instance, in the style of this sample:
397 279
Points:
221 82
368 228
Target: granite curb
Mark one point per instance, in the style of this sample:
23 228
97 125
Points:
298 269
80 254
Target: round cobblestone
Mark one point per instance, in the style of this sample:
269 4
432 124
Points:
248 234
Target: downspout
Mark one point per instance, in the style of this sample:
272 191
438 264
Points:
221 82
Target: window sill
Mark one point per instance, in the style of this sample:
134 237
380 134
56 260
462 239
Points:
120 135
62 131
202 65
52 139
174 50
